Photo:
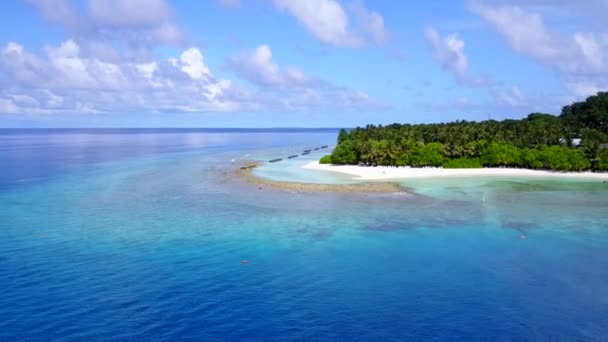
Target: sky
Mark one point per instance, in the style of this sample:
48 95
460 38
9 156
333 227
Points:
294 63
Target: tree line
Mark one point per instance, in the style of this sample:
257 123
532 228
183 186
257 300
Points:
575 140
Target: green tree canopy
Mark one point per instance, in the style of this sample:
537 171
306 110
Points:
591 113
345 153
538 141
430 154
501 154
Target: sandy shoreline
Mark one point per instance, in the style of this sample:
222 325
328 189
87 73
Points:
372 187
382 179
394 173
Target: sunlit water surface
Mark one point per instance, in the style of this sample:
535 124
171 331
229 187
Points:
140 235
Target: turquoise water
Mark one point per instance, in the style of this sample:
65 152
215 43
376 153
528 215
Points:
140 236
290 170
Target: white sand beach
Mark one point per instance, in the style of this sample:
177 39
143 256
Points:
388 173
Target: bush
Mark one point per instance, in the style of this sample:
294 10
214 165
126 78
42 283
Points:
463 163
532 158
345 153
501 154
325 159
430 154
563 158
602 162
578 161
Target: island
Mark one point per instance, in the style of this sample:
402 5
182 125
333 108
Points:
574 141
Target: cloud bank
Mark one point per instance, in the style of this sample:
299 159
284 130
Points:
579 56
110 64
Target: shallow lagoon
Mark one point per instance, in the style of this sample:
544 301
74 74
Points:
140 236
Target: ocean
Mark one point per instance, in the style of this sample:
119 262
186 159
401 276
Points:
140 235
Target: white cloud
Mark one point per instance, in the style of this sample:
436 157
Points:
448 51
511 97
258 67
589 47
292 86
581 58
67 63
109 65
61 12
93 25
129 14
147 70
70 82
7 106
582 89
371 22
192 64
62 79
325 19
502 103
329 21
525 32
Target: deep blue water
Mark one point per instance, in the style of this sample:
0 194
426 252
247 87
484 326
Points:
139 235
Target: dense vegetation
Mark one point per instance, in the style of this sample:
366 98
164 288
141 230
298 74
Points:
539 141
326 159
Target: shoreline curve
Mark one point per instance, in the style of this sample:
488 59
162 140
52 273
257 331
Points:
245 171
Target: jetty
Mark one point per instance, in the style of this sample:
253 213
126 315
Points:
248 167
305 152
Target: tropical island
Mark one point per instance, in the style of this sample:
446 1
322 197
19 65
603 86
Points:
575 140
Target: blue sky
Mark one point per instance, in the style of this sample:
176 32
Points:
294 63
